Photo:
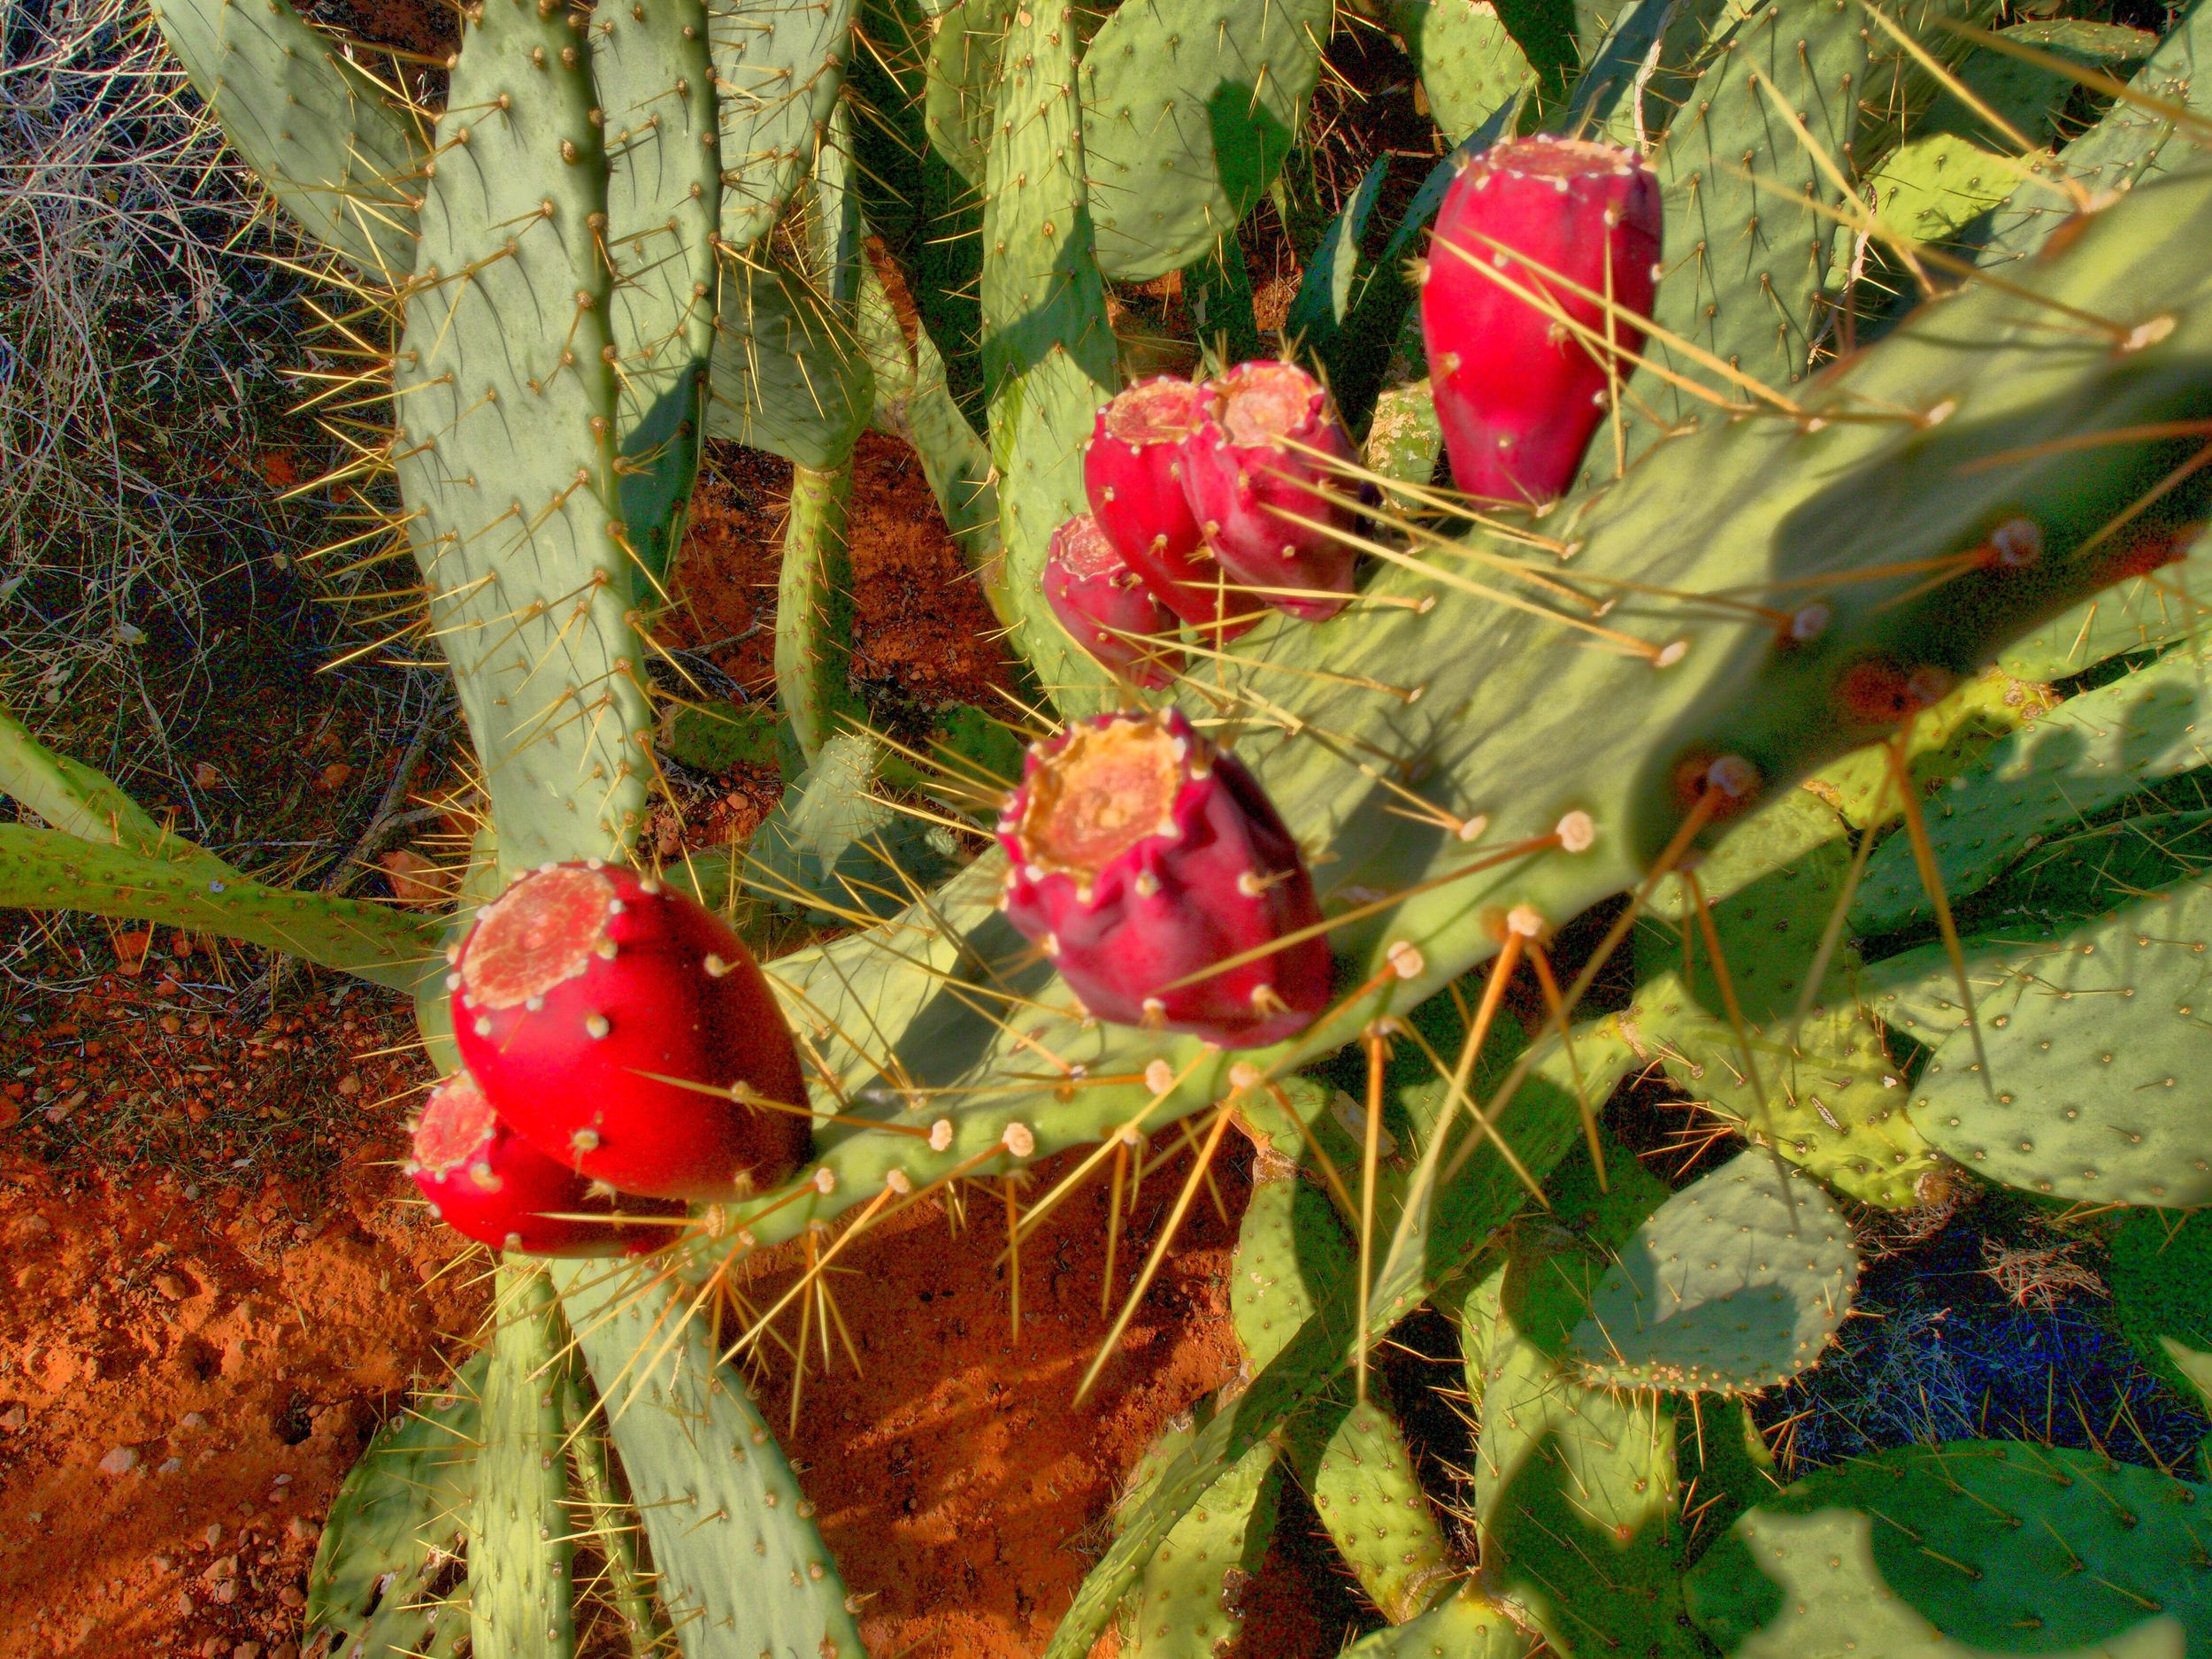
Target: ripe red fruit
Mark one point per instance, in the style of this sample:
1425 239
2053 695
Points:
1100 602
1133 472
585 999
1262 472
1518 393
484 1180
1142 855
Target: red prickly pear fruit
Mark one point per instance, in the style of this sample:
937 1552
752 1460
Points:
1101 602
1132 472
611 1022
1519 395
1144 856
488 1183
1258 470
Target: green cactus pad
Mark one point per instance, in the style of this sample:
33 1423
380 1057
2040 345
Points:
741 1566
1189 109
47 870
789 374
1292 1257
1469 64
1541 1123
2094 750
778 67
1403 437
1737 1282
520 1548
1772 889
1502 713
1746 295
1972 1548
342 153
1470 1625
1361 1478
396 1525
1833 1105
2131 144
1185 1606
833 841
1949 740
504 392
962 69
2094 1041
1574 1488
2162 1293
656 84
1048 356
76 799
814 611
2141 614
1931 185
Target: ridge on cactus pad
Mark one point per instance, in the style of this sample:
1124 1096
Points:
487 1182
624 1029
1133 471
1101 602
1259 469
1162 884
1546 250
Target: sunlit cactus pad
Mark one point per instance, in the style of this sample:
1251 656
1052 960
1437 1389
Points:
1971 1548
2095 1044
1735 1284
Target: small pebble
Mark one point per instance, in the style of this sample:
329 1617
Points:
170 1465
119 1461
13 1419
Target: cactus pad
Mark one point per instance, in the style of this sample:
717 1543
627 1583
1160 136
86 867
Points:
1185 1603
733 1538
1735 1284
1190 109
778 66
1976 1546
1834 1103
2093 1041
504 391
2091 751
344 156
397 1523
520 1549
1470 1625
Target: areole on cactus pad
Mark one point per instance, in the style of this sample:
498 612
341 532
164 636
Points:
624 1029
488 1183
1101 602
1133 476
1262 469
1162 884
1534 238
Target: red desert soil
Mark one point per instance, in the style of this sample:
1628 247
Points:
220 1287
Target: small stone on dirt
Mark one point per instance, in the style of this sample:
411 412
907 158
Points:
13 1419
119 1461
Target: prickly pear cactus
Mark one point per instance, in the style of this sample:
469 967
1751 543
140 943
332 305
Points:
1525 758
1736 1283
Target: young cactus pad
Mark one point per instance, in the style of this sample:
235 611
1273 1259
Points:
1736 1283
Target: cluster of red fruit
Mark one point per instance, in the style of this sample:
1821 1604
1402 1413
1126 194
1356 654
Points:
1210 500
622 1045
1207 501
623 1055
